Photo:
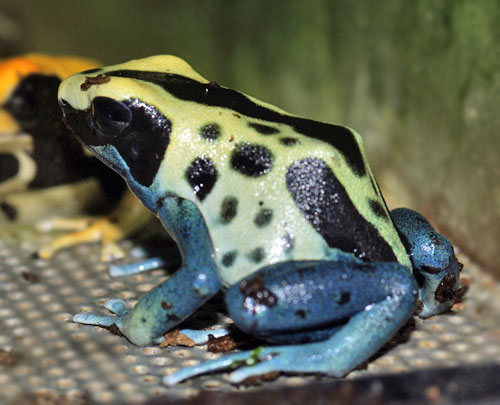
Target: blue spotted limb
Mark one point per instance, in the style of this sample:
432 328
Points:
358 306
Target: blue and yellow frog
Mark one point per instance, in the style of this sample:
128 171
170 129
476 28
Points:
282 213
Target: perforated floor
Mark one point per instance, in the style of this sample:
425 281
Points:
42 353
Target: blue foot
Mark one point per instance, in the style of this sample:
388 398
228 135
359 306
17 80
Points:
118 307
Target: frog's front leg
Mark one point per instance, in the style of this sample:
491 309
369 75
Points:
178 297
436 268
347 310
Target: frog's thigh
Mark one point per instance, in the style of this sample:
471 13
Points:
309 301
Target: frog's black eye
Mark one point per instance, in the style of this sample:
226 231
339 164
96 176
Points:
110 116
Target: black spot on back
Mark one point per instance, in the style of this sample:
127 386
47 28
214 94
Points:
201 175
229 209
263 217
210 131
257 255
189 89
229 258
251 160
378 209
9 166
289 141
263 129
327 206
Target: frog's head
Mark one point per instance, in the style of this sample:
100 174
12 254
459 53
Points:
120 113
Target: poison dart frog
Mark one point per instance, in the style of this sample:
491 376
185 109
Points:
281 213
41 167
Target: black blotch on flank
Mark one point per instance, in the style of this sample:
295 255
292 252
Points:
326 205
263 217
188 89
229 258
289 141
210 131
229 209
263 129
201 175
301 313
9 166
257 255
345 297
143 320
378 209
251 160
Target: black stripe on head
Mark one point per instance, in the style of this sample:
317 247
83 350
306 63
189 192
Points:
202 175
251 160
327 206
188 89
139 132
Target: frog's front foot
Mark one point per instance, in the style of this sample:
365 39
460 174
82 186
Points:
124 320
116 306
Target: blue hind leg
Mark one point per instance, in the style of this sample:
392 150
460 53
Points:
355 307
434 263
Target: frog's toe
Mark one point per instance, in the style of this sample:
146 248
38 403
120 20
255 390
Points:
91 319
221 363
117 306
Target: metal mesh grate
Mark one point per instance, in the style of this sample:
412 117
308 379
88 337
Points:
43 353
